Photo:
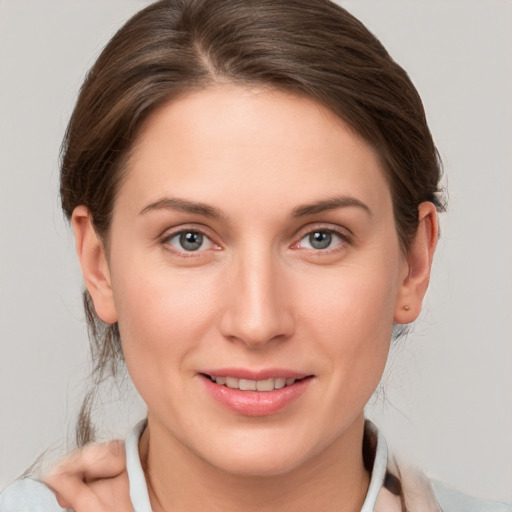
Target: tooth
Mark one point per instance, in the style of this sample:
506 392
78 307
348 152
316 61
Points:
279 382
247 385
265 385
289 381
232 382
220 380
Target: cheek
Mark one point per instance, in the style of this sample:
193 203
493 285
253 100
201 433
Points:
350 315
163 315
352 304
354 339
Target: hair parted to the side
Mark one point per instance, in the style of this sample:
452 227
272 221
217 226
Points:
307 47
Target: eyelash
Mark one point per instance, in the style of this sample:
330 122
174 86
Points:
343 240
166 241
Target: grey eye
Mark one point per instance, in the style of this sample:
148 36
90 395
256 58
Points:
320 239
191 240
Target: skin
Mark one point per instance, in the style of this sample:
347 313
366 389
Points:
257 294
92 479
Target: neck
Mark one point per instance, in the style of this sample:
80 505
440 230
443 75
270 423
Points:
179 480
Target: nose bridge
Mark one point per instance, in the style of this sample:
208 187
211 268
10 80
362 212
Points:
257 310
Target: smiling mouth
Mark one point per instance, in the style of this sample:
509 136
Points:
272 393
254 385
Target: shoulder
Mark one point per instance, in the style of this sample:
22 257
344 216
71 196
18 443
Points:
421 493
28 494
451 500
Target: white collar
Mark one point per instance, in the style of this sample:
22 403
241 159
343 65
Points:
139 490
380 463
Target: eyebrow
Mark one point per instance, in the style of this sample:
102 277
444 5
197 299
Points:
330 204
182 205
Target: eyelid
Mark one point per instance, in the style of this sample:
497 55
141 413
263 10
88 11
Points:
344 235
168 234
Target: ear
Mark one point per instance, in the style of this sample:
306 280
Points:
93 261
416 274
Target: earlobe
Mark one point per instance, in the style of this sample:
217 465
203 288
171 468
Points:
93 261
419 262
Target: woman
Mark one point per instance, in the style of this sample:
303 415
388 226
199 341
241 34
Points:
254 210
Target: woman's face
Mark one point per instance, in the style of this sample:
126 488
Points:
253 241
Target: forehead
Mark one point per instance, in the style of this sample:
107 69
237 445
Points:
259 144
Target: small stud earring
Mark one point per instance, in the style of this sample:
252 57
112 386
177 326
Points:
407 307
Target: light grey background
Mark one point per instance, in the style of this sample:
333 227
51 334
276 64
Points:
449 387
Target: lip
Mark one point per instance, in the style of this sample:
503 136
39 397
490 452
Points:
262 374
255 403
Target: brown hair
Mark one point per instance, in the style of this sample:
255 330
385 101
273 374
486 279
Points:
307 47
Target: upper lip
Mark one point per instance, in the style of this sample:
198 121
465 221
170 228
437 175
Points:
249 374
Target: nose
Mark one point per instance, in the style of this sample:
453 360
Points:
257 309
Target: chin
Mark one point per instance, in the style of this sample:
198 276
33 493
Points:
263 455
260 465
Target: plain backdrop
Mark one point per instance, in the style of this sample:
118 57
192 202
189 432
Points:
446 400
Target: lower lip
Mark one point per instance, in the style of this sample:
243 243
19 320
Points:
256 403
